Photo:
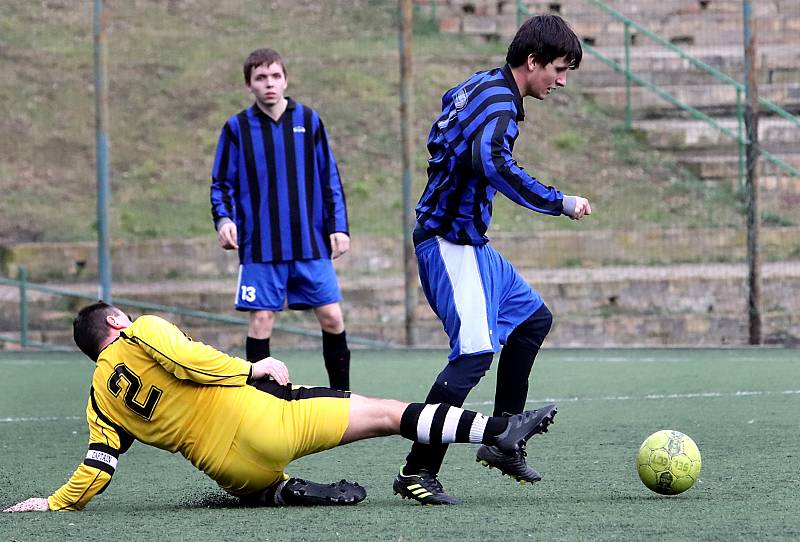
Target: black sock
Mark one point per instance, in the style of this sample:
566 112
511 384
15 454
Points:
513 373
337 359
516 362
256 349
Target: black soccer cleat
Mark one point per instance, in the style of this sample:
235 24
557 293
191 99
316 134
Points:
424 488
523 426
512 464
298 492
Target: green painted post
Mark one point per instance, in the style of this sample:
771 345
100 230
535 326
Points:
23 306
628 108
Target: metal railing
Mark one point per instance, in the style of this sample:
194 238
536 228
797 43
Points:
25 286
631 77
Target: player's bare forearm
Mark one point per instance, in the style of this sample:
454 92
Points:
34 504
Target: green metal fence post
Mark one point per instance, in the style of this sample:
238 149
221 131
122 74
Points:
628 109
23 306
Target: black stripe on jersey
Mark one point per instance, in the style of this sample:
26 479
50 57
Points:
272 189
252 183
125 438
290 160
464 426
223 171
327 191
491 100
437 423
309 156
453 201
287 393
513 180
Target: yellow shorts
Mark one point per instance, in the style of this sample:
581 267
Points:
281 425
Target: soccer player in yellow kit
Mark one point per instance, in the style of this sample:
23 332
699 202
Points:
240 423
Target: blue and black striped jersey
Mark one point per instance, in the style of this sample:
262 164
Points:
279 182
470 147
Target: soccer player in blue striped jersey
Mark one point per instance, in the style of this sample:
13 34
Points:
481 299
277 198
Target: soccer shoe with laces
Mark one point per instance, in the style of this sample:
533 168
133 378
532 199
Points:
423 488
523 426
512 464
298 492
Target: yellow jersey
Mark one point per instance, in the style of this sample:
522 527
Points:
156 385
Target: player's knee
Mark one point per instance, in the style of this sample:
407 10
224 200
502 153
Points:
261 321
532 332
330 318
461 375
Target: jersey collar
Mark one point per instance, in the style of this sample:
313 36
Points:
517 96
290 104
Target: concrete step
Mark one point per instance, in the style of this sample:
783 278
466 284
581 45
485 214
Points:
775 64
718 166
712 98
776 134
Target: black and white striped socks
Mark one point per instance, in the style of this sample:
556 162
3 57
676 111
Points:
445 424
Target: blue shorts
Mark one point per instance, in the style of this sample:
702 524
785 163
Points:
479 297
303 283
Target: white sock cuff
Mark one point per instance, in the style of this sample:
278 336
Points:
478 428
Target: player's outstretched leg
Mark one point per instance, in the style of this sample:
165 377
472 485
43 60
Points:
511 461
299 492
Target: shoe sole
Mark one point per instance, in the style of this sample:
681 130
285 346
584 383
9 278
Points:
406 494
521 481
336 494
547 420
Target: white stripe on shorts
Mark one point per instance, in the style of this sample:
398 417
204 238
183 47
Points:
468 295
238 286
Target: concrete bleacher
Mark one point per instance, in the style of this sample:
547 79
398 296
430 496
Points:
711 31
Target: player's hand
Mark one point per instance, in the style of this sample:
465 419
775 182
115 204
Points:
228 236
34 504
271 367
582 208
340 243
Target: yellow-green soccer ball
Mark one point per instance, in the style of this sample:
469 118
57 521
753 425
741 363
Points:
668 462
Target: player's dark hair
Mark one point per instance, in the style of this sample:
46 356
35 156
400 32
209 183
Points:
89 327
262 57
546 37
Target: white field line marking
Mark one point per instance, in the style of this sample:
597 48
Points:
41 419
742 393
700 395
